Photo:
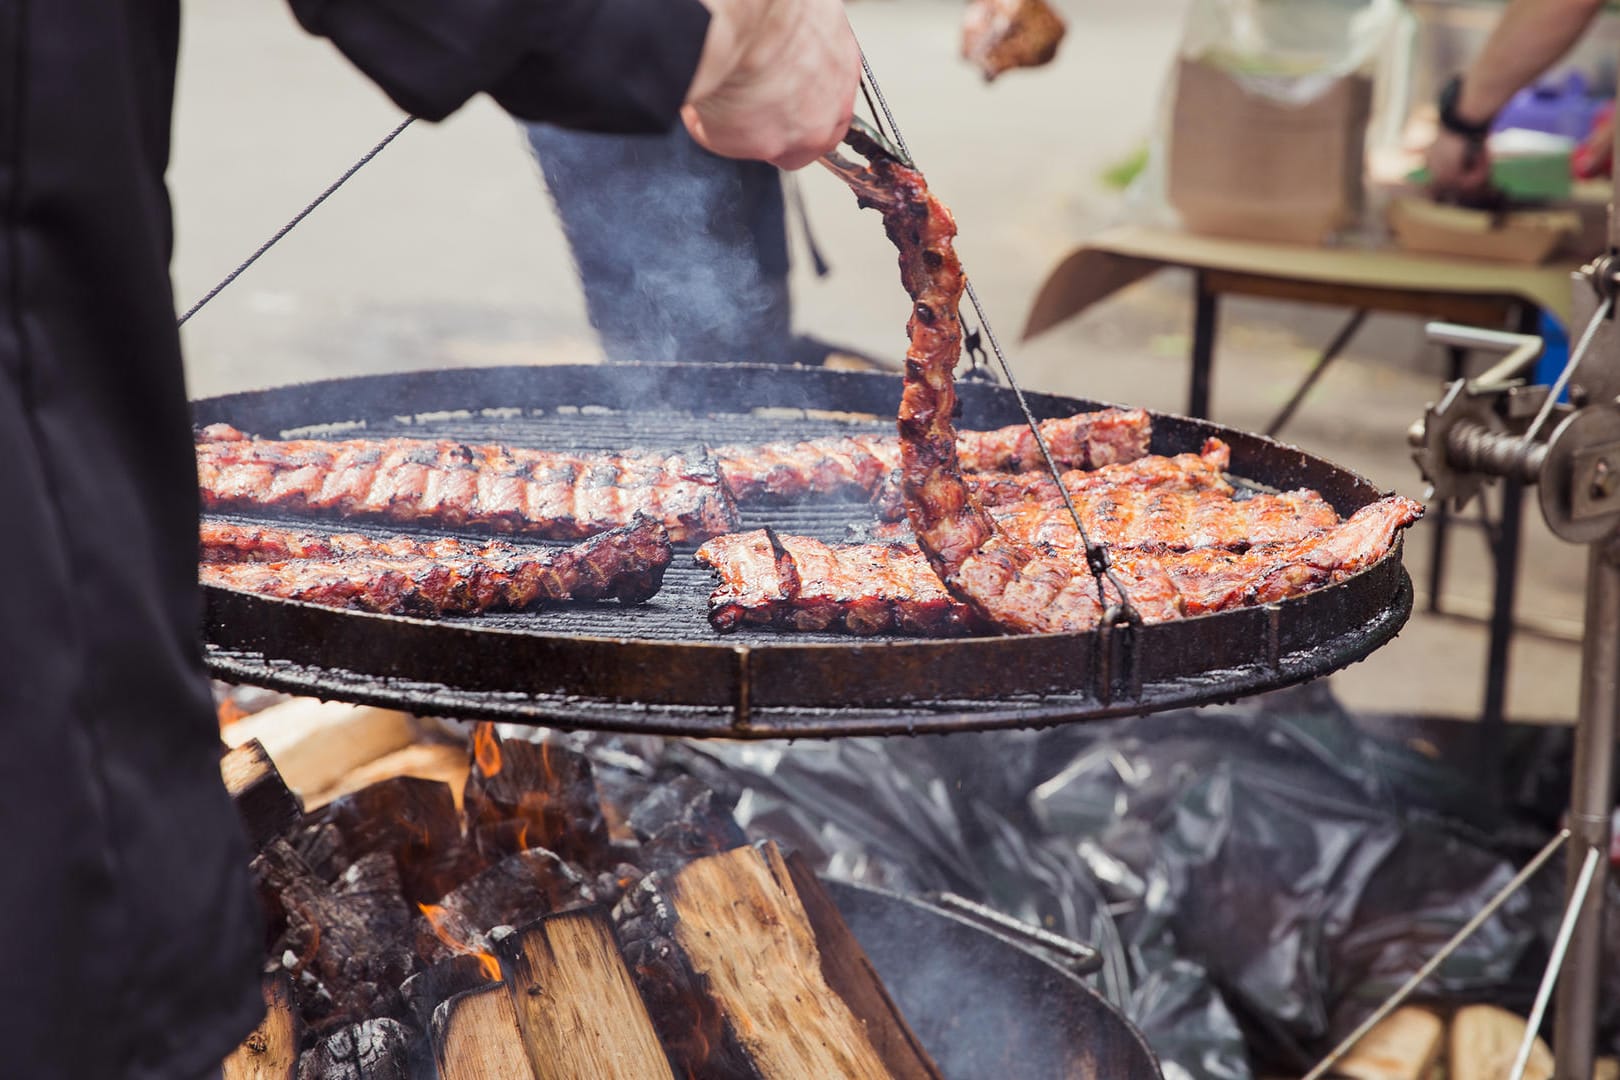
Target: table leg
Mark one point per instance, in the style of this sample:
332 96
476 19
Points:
1440 513
1329 354
1492 716
1205 311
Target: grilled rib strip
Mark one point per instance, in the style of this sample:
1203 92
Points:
1006 582
889 587
505 489
402 576
853 466
1203 471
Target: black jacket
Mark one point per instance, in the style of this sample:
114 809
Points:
129 939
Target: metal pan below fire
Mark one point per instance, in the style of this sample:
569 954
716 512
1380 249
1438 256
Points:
660 668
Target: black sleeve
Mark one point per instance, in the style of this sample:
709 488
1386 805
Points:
594 65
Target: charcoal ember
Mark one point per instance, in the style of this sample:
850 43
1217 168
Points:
518 889
687 1018
681 821
439 982
611 884
413 820
322 849
376 1049
348 937
523 795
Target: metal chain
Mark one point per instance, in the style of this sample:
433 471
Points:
301 215
1097 559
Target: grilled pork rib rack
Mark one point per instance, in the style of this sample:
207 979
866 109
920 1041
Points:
541 493
405 576
799 583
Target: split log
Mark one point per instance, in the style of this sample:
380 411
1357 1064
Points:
314 743
1404 1046
850 975
372 1050
271 1051
476 1037
268 808
576 1004
700 939
425 761
523 795
1484 1040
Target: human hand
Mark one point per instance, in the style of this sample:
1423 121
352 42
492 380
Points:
776 82
1458 166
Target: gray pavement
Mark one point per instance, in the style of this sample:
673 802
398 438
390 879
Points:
444 251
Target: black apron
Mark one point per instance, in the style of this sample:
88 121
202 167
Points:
129 939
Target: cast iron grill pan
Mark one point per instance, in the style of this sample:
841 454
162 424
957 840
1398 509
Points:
660 667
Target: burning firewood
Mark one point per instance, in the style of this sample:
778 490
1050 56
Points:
391 915
524 795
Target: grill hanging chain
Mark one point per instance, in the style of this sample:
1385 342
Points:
1097 559
297 218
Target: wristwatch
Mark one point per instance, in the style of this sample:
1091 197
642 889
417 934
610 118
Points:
1468 129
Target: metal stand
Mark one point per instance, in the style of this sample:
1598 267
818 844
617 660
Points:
1498 427
1591 807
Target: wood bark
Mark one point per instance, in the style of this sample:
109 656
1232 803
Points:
268 807
476 1037
271 1051
577 1007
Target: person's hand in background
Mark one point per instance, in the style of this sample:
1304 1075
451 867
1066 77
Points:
1459 167
776 82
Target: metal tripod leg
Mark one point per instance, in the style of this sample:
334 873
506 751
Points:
1591 804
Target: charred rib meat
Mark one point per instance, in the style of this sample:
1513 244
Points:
558 496
401 576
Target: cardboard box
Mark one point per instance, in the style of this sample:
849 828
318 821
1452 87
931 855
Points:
1245 166
1521 236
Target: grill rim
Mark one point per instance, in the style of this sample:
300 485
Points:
766 690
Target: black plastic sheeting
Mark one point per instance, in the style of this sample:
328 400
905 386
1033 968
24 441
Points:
1258 876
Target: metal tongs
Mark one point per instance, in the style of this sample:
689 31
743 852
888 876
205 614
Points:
871 143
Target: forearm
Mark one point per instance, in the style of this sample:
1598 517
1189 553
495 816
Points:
1530 38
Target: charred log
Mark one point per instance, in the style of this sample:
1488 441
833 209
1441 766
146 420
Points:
681 821
523 795
268 807
517 890
372 1050
415 823
435 984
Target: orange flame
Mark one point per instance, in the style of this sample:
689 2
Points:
486 749
437 918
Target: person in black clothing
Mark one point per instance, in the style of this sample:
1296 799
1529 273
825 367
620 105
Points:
127 926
